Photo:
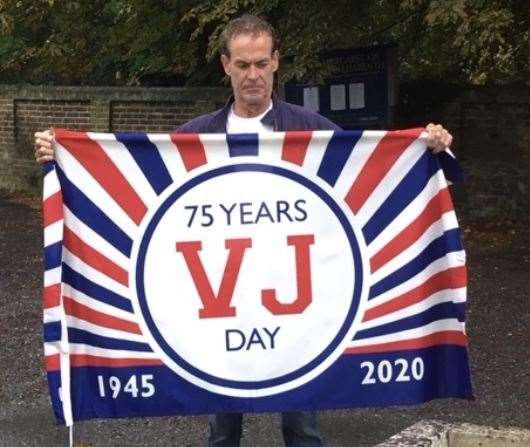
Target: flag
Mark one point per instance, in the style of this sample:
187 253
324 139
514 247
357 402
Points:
207 273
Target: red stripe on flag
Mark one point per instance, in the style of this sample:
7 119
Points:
93 257
80 360
438 205
52 209
387 151
85 313
295 146
190 149
452 278
52 362
92 156
51 296
438 338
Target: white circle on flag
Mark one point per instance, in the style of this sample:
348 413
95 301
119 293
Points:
255 349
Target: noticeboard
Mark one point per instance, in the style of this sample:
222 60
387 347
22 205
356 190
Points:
360 91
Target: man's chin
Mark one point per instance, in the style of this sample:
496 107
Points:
255 99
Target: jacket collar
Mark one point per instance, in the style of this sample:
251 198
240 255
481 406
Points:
271 118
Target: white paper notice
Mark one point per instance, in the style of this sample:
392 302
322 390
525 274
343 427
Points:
311 101
337 97
357 96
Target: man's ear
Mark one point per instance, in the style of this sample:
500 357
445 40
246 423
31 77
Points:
225 60
275 60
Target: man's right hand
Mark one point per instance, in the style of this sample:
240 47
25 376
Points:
44 146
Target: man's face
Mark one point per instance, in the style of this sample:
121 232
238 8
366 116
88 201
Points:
251 66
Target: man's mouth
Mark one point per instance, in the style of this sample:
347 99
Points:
252 88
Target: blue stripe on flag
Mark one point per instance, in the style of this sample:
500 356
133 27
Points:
409 187
446 243
339 148
86 211
438 312
149 160
54 384
445 367
451 167
52 255
241 144
47 167
52 331
88 338
93 290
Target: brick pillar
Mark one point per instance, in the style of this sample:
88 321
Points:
100 115
7 127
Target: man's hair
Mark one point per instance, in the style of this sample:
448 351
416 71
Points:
246 24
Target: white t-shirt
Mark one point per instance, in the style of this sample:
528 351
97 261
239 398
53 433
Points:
237 124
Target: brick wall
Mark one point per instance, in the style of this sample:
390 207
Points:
27 109
155 116
491 128
32 114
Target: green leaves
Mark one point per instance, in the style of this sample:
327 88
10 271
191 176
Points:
146 41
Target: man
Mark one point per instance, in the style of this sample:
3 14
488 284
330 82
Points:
250 58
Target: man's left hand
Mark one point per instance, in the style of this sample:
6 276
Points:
438 139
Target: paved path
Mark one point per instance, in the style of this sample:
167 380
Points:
498 324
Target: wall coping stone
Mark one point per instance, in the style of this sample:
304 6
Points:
111 93
433 433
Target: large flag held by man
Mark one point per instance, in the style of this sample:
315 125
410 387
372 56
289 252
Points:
211 273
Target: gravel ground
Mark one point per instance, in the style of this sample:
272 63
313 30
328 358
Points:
498 325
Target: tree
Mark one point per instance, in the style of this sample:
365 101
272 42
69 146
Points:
92 42
475 41
143 41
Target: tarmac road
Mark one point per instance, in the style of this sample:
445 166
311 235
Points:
498 325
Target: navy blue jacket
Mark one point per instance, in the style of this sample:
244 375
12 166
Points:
282 117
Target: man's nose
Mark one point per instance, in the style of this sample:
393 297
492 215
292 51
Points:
252 72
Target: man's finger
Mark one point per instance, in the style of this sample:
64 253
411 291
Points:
46 135
45 158
39 142
44 151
